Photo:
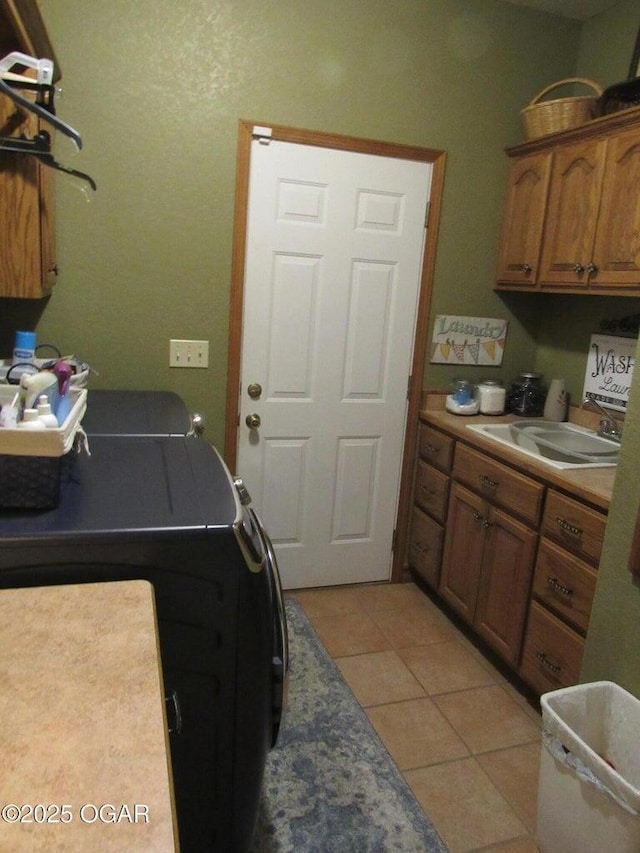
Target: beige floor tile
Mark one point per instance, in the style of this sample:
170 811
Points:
464 805
379 678
390 596
328 601
514 772
416 734
487 718
519 845
413 626
350 634
445 667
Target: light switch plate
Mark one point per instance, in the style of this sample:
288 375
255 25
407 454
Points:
188 353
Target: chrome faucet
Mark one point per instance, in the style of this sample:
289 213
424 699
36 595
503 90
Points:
609 427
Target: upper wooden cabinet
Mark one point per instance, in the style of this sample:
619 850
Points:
572 213
27 246
524 219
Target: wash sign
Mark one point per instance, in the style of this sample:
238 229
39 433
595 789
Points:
609 371
468 340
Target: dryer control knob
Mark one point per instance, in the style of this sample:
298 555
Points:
243 492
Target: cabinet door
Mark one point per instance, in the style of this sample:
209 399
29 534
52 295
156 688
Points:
27 265
463 551
616 254
507 569
572 214
523 222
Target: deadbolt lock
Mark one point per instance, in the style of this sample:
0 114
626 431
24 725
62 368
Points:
253 421
254 390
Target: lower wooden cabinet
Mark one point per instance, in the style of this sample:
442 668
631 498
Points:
563 588
487 569
514 557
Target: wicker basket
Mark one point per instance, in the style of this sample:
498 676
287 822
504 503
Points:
539 119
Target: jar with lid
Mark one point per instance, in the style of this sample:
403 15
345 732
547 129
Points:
463 399
527 395
491 395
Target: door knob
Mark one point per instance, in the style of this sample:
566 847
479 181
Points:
253 421
254 390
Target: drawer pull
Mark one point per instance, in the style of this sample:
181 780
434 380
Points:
486 481
480 520
556 586
547 664
429 492
568 528
430 449
420 547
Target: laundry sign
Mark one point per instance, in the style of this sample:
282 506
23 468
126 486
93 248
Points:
468 340
609 370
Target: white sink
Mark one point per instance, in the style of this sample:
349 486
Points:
561 445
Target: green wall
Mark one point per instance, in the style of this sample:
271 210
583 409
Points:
157 88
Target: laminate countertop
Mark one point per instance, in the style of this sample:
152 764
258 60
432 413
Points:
594 485
83 743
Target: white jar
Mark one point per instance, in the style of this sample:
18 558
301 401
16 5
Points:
30 420
492 397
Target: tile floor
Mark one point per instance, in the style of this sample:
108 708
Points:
465 739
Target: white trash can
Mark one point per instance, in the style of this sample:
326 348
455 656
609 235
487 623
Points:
589 783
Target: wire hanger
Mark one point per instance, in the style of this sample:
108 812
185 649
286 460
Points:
43 107
40 148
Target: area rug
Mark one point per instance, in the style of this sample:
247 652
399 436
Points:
330 785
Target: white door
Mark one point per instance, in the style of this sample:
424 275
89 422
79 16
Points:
332 275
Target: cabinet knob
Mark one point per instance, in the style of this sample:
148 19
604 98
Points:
578 269
527 268
592 269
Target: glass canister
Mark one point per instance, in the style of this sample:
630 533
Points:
463 399
527 395
491 395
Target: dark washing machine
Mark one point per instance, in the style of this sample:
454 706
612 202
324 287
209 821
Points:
164 508
137 413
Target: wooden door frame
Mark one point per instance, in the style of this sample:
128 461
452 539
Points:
414 393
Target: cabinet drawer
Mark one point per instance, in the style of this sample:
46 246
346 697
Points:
435 447
576 527
500 485
564 584
432 490
552 652
425 547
